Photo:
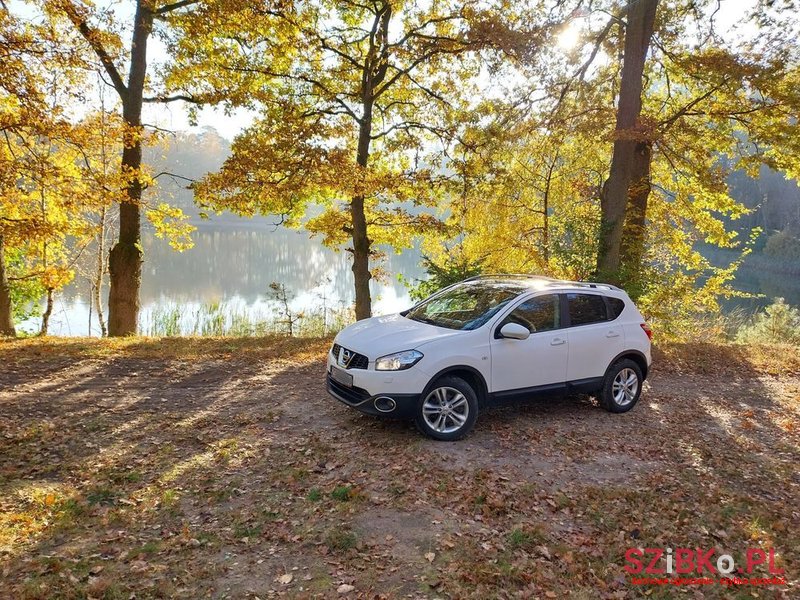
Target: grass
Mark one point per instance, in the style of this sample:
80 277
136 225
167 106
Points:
342 493
727 358
101 495
228 319
271 347
340 539
526 538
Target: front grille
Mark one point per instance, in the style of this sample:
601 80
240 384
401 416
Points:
359 361
353 395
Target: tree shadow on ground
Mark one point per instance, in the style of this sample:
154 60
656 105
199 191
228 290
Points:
214 471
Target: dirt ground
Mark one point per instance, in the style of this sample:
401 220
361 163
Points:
221 468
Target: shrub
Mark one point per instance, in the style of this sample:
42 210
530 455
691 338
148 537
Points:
441 276
784 245
779 323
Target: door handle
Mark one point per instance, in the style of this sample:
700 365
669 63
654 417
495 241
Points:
557 341
612 334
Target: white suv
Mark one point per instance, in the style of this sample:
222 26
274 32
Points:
489 340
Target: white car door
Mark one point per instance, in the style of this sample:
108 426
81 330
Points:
539 360
594 341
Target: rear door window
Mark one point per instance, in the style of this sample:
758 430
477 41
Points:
585 309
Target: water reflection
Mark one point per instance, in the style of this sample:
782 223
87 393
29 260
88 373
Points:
235 262
236 266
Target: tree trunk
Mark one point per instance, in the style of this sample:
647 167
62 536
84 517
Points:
125 274
614 195
125 259
97 284
48 311
375 66
545 211
361 241
6 319
632 247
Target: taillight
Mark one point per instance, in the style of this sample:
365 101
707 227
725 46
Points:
646 328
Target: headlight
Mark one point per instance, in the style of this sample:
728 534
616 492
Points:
398 361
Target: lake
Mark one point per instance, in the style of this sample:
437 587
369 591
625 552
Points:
235 262
235 265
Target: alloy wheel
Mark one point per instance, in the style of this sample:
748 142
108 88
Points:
445 410
625 386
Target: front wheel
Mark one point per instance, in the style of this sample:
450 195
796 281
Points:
622 386
448 410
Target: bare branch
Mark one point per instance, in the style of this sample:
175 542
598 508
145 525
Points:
157 128
688 107
175 98
78 18
174 176
174 6
581 72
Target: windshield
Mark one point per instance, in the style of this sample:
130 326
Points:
467 305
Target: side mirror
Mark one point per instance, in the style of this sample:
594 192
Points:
515 331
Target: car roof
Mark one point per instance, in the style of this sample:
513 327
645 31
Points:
540 282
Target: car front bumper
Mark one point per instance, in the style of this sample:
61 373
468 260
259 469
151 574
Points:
392 405
397 392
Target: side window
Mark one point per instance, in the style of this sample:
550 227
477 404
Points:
585 309
617 306
537 314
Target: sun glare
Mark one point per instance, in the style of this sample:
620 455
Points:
569 37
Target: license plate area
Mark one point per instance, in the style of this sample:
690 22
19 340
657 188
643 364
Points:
340 376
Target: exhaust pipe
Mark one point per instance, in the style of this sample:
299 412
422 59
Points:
384 404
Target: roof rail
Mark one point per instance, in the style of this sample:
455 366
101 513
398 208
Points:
509 275
550 280
589 284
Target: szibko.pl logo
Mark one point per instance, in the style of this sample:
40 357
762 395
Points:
685 561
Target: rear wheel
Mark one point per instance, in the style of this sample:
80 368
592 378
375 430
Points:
622 386
448 410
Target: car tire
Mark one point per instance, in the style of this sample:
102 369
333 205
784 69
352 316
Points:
447 410
622 386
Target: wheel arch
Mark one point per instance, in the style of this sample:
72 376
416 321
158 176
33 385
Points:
469 374
636 356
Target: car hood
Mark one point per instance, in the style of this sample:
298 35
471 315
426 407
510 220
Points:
384 335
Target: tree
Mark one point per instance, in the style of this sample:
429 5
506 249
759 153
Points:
631 157
16 81
538 185
39 180
125 259
50 206
710 109
6 322
351 95
709 106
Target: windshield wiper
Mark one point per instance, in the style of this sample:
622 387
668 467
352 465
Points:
425 320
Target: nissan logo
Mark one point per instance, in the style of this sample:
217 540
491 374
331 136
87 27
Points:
345 356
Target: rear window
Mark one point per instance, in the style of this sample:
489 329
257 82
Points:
586 308
616 306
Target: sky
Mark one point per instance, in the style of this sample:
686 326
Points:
728 20
175 116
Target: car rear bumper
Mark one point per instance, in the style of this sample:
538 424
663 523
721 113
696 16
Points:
392 405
